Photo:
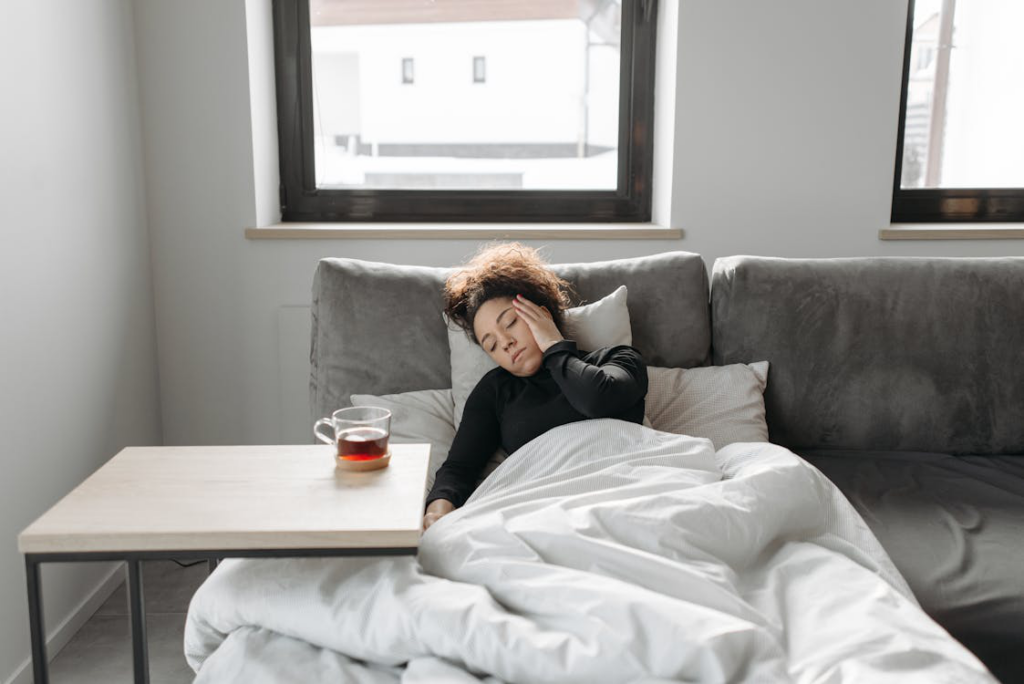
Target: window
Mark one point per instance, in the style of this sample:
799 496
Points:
561 130
961 134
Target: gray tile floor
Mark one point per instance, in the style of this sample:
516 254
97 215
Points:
101 652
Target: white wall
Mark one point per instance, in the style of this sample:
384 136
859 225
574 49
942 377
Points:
784 142
78 345
194 94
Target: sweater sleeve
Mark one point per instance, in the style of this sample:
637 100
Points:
598 390
478 437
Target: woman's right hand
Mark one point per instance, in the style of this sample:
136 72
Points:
437 509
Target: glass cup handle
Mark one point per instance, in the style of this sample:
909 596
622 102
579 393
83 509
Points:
321 436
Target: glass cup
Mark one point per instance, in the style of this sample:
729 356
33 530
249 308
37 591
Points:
360 432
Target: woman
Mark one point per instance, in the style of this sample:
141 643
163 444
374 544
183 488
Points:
512 305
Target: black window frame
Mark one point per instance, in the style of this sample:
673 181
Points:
479 76
302 201
945 205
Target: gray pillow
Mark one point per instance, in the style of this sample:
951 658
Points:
722 403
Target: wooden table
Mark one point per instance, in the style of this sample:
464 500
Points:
220 502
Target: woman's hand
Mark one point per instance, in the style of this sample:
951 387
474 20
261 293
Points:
437 509
539 319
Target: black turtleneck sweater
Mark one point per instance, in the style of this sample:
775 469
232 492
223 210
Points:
508 411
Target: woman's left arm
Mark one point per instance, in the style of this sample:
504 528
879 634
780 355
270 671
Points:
598 390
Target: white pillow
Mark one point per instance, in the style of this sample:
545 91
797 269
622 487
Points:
425 416
416 417
604 323
723 403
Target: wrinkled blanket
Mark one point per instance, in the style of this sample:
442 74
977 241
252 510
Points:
602 551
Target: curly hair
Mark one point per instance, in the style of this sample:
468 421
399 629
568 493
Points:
503 270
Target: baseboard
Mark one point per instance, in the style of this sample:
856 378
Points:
59 636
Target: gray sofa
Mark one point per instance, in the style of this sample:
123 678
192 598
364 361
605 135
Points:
901 379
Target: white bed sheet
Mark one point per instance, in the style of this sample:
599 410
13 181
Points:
602 551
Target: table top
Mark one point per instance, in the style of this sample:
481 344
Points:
237 497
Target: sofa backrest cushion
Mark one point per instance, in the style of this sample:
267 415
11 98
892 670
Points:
377 328
923 354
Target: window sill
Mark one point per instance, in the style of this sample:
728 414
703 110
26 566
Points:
961 231
469 231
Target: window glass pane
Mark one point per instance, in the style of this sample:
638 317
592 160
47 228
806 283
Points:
541 111
964 125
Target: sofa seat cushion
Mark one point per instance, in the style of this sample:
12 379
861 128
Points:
954 526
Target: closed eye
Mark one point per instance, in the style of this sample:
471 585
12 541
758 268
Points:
494 346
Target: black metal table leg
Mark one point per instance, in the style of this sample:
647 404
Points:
35 622
133 559
137 608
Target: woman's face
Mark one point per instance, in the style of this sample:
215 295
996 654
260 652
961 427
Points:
507 338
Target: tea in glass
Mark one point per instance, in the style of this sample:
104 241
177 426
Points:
360 433
362 443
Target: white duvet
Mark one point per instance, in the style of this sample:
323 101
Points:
602 551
